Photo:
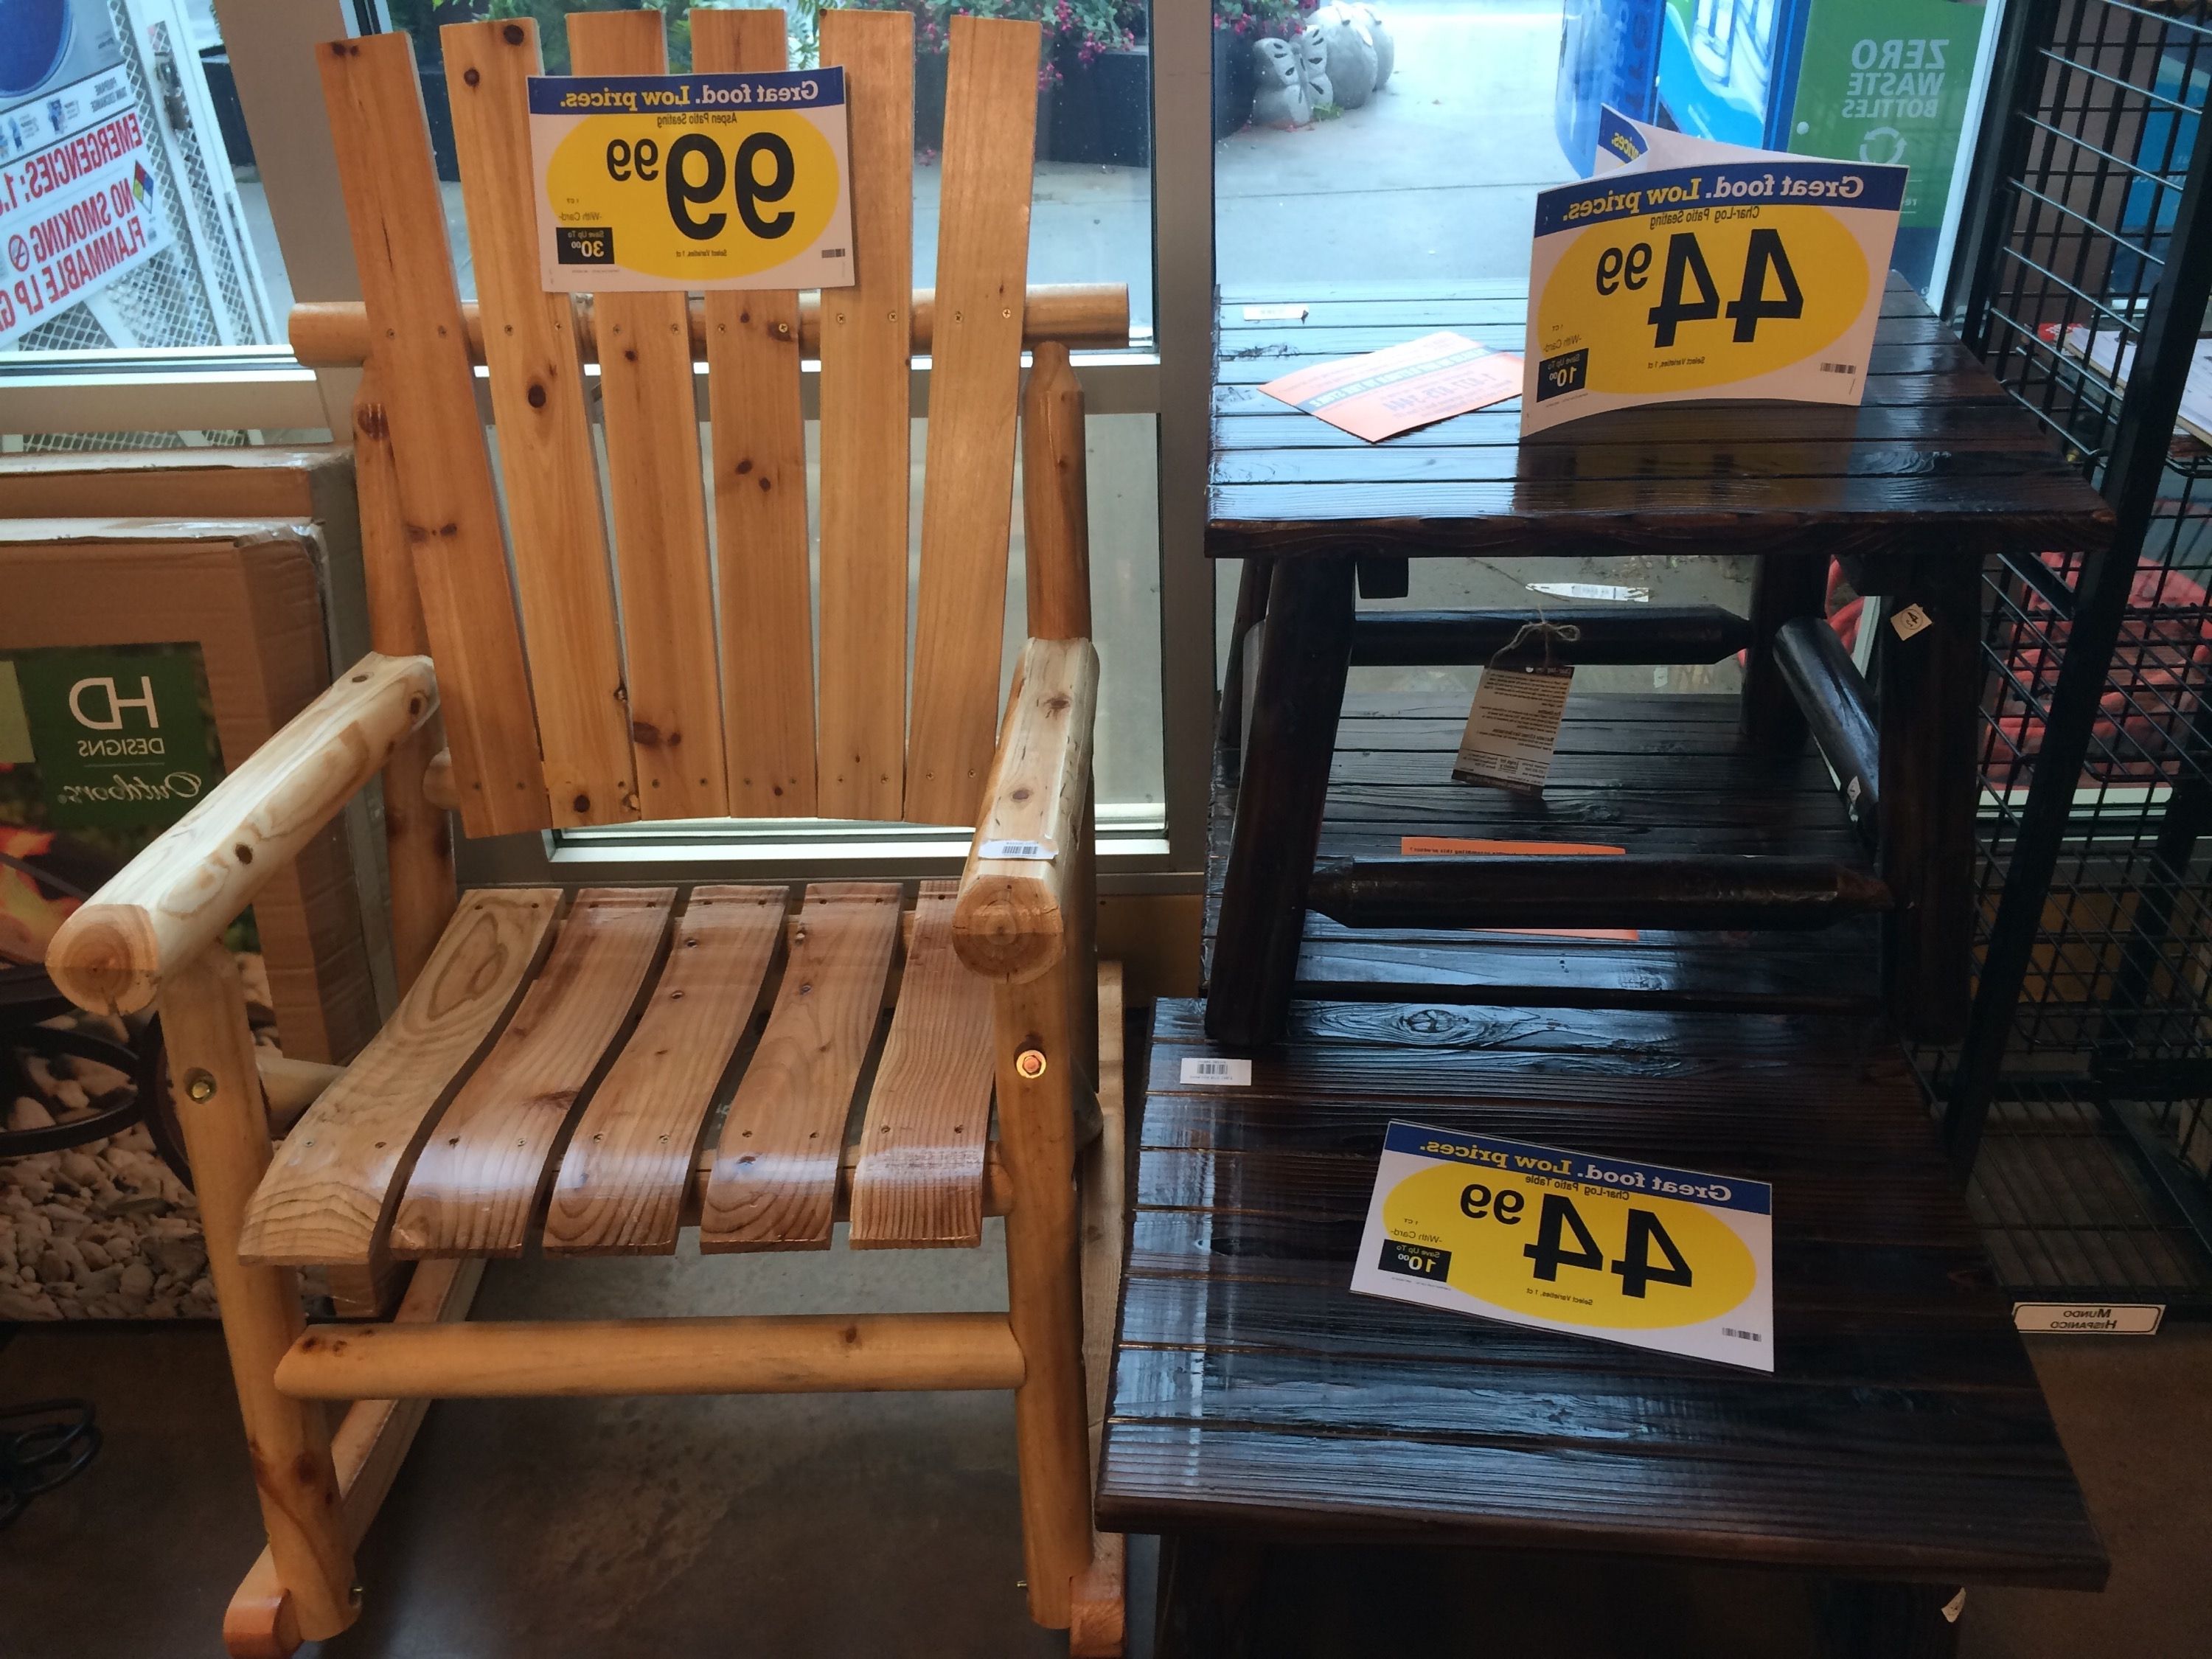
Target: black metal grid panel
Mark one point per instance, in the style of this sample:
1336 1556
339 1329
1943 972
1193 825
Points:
2083 1096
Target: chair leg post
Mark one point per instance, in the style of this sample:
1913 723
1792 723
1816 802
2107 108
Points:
227 1138
1036 1134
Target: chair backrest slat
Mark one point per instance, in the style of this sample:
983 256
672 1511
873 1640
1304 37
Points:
766 677
545 451
758 470
866 447
444 470
975 393
651 416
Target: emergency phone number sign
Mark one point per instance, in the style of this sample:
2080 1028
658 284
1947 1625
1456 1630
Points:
74 215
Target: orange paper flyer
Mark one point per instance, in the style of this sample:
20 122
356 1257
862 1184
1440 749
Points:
1402 386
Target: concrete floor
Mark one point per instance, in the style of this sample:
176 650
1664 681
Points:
878 1525
804 1529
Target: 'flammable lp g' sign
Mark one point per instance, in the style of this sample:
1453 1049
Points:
692 181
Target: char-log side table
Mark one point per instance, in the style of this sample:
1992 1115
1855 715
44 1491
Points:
1334 1474
1283 1435
1936 470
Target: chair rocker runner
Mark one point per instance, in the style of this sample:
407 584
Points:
548 1081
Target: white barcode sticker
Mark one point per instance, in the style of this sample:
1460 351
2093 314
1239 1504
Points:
1016 849
1227 1073
1593 590
1910 620
2084 1318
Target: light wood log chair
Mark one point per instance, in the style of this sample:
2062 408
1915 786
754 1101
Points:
549 1081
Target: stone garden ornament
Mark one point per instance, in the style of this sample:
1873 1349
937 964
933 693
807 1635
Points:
1342 58
1279 98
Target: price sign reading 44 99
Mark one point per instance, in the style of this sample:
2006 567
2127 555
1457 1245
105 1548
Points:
1753 279
1628 1252
691 181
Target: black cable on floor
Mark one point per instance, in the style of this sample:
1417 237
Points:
42 1445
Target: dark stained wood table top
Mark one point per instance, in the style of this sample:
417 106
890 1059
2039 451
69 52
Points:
1937 449
1901 1435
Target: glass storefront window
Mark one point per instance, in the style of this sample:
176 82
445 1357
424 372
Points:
130 211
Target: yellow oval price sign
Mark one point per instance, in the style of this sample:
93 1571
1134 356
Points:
1748 279
688 182
1691 306
1661 1258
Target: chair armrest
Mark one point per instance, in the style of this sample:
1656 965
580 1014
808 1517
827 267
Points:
191 882
1010 923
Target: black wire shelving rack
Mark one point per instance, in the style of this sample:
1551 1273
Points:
2081 1101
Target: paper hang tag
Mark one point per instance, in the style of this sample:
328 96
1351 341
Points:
1910 620
1513 728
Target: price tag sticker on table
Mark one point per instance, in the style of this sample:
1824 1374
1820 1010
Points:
1702 271
691 181
1672 1260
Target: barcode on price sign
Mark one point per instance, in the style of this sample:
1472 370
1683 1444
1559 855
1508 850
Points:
1228 1073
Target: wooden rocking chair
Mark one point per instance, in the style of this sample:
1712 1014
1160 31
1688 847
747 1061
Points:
547 1082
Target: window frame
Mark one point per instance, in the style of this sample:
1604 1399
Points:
1159 849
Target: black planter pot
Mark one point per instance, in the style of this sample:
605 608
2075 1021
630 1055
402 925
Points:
1104 111
1233 82
929 107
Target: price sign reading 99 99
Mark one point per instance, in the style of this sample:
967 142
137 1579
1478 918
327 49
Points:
1754 279
692 181
1635 1253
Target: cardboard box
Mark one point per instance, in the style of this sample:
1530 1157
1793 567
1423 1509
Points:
239 607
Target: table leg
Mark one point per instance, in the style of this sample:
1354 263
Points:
1305 648
1206 1590
1783 587
1251 609
1930 691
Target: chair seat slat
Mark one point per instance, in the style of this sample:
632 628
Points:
477 1178
920 1182
537 381
774 1184
866 430
650 413
628 1166
324 1198
759 487
975 389
445 493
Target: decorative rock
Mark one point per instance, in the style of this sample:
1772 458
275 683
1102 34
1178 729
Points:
27 1114
135 1281
80 1169
181 1256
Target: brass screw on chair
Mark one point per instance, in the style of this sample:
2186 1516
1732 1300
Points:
199 1085
1030 1063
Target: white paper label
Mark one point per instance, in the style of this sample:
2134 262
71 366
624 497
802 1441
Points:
1040 850
1221 1073
1910 620
1289 314
1513 728
2088 1318
1594 591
